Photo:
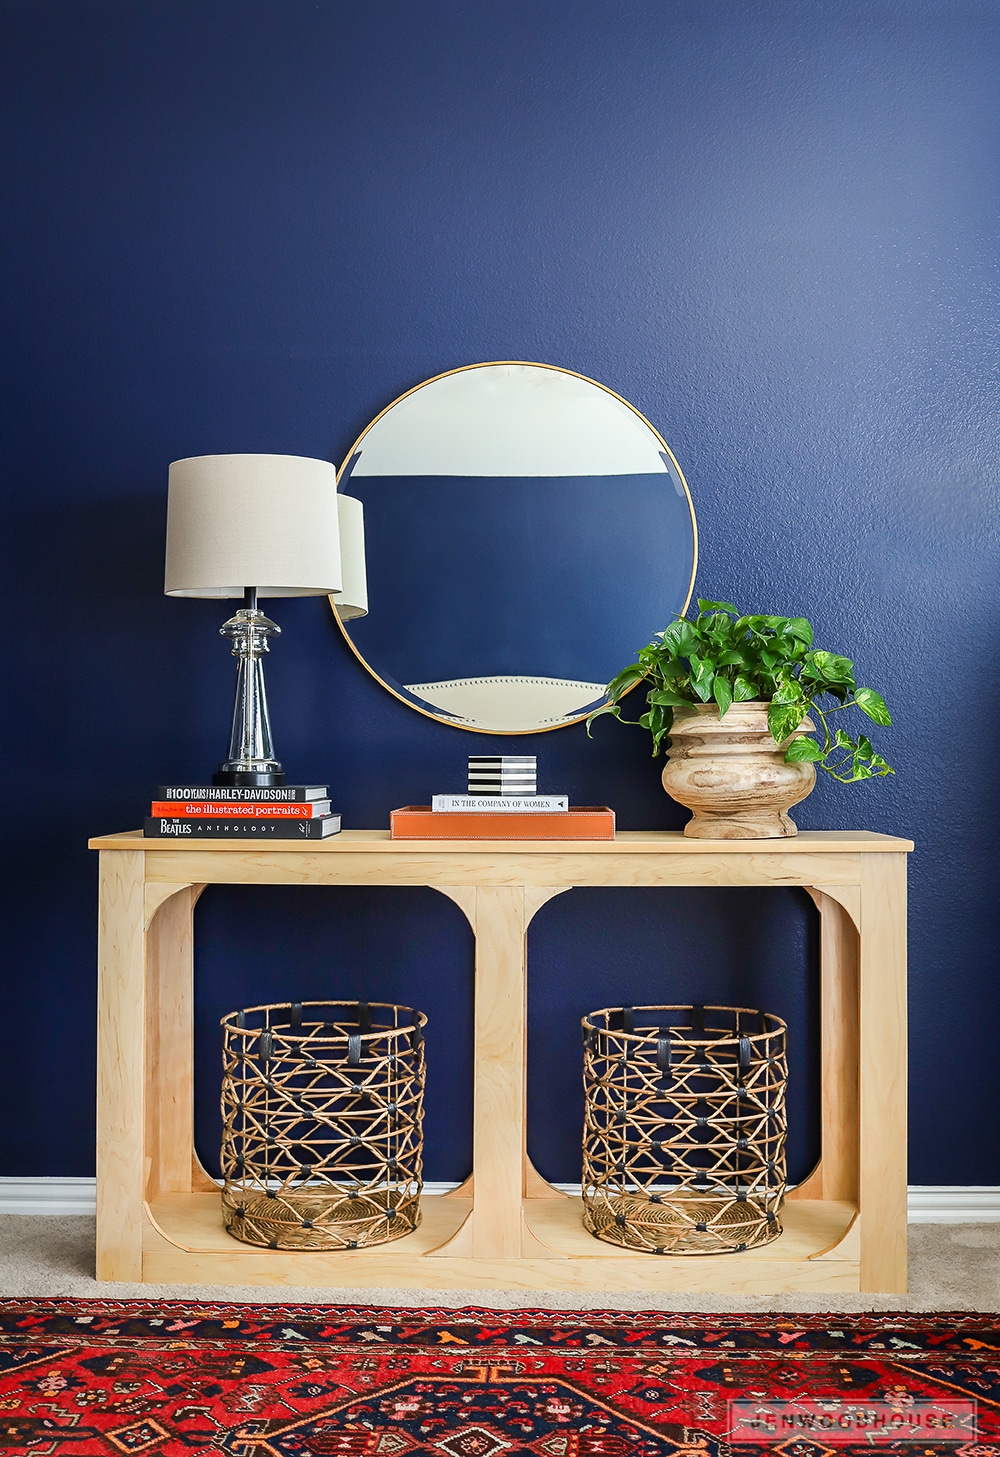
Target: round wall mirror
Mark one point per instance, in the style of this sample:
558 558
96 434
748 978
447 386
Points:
526 531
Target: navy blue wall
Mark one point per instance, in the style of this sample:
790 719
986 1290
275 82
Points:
246 225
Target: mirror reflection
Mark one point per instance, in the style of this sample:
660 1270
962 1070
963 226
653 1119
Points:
526 531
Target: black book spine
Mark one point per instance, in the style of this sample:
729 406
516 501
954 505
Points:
236 794
256 829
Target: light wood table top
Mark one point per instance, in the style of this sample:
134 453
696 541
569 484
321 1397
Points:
626 842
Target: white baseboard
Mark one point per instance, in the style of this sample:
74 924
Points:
926 1203
76 1196
932 1203
953 1204
46 1196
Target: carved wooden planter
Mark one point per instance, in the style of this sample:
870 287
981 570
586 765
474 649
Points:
732 775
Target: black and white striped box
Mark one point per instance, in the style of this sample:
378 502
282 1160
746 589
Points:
503 774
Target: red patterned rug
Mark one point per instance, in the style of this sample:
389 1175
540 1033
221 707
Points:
85 1377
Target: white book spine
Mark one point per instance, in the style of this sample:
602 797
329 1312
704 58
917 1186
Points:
500 804
494 791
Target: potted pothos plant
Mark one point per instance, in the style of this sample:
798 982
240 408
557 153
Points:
733 693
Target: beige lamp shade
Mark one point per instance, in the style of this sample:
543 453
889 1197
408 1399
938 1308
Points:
264 521
352 600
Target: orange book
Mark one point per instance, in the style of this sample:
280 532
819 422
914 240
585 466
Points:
419 822
213 809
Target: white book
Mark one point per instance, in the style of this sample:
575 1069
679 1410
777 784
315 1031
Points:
544 804
507 761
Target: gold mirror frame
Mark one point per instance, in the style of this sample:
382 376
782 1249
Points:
492 364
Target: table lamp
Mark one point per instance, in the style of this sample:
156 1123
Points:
256 526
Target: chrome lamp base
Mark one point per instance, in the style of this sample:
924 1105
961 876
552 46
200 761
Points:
249 778
251 760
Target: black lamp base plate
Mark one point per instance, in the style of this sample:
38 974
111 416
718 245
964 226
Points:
250 778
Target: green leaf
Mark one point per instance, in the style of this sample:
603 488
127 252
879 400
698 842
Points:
668 698
731 658
833 667
842 740
717 626
704 606
702 674
783 720
788 691
873 704
660 719
803 751
669 636
801 628
626 679
668 722
790 648
744 689
681 638
611 708
631 674
751 623
723 694
670 668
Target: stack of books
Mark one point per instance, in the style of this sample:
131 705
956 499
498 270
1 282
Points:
504 774
275 812
502 803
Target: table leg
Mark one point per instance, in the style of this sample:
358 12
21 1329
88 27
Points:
169 1072
496 1228
533 1186
499 1101
883 1073
836 1175
120 1066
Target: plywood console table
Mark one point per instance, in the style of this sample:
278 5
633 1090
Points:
158 1213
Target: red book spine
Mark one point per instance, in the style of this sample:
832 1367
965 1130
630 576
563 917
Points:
212 809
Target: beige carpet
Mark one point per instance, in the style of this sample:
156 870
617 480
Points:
952 1267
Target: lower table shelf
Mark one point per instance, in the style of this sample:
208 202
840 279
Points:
184 1240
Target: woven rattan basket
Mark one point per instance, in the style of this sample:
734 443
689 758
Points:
684 1133
322 1113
